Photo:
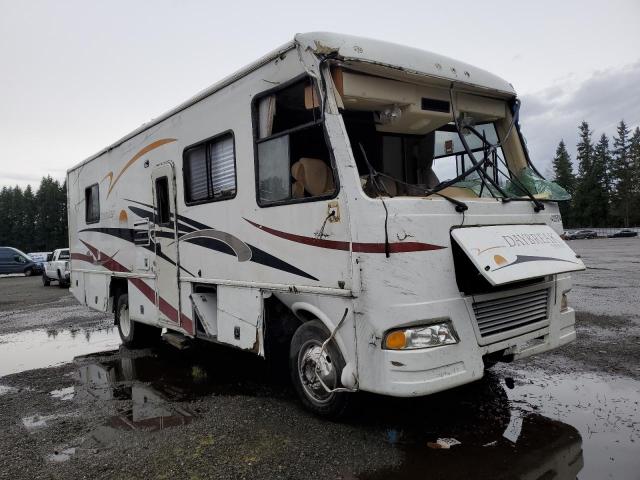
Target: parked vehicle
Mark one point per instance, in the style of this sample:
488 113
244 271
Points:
56 268
582 234
334 201
39 258
13 260
624 233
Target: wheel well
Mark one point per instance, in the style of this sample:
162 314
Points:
280 325
117 287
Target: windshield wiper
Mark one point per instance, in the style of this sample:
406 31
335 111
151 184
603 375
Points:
538 204
484 177
460 206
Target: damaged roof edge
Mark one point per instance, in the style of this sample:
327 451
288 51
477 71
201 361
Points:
412 60
349 47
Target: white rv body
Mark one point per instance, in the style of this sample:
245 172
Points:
387 262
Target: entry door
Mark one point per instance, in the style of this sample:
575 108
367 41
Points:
165 236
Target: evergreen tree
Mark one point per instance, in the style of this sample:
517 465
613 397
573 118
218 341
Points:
582 201
634 152
563 176
622 174
598 181
48 216
5 226
28 220
16 206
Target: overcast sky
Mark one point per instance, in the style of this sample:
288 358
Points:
77 75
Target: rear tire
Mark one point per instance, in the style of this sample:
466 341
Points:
45 280
61 282
133 334
306 361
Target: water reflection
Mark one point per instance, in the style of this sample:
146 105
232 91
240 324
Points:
151 384
496 439
483 435
32 349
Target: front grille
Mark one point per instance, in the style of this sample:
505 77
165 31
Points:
506 313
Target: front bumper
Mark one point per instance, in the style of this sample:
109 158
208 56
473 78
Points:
425 371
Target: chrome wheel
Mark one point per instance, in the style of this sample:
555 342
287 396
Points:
125 321
315 365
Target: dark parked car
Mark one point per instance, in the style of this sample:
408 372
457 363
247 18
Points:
624 233
13 260
580 234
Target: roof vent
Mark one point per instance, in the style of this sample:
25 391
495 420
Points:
435 105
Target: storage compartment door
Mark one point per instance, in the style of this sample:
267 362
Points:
240 317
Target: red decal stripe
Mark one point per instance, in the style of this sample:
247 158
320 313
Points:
397 247
165 307
316 242
82 257
400 247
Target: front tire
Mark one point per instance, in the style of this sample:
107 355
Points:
133 334
307 361
28 272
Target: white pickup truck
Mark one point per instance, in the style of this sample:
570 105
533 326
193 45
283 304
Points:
56 268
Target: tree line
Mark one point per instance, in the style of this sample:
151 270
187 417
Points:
605 189
34 221
605 192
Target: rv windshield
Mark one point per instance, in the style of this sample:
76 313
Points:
412 164
406 143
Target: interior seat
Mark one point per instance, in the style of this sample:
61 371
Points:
312 176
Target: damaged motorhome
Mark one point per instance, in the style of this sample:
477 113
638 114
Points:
369 209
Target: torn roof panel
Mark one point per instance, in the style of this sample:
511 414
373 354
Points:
401 57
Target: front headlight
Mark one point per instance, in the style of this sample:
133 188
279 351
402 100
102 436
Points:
423 336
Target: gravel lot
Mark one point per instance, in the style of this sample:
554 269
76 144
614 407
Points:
74 405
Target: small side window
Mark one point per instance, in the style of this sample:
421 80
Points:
210 170
162 201
92 204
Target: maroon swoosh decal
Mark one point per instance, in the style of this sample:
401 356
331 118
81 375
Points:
82 256
397 247
316 242
165 307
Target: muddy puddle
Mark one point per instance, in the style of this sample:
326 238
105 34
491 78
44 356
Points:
523 424
512 424
150 389
33 349
606 411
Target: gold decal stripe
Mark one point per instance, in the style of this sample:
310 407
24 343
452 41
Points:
147 149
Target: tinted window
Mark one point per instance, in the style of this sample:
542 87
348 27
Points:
162 201
92 204
64 255
210 170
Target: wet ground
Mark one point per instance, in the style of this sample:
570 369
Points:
74 405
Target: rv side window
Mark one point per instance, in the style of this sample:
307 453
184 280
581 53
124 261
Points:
210 170
92 204
162 201
293 160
